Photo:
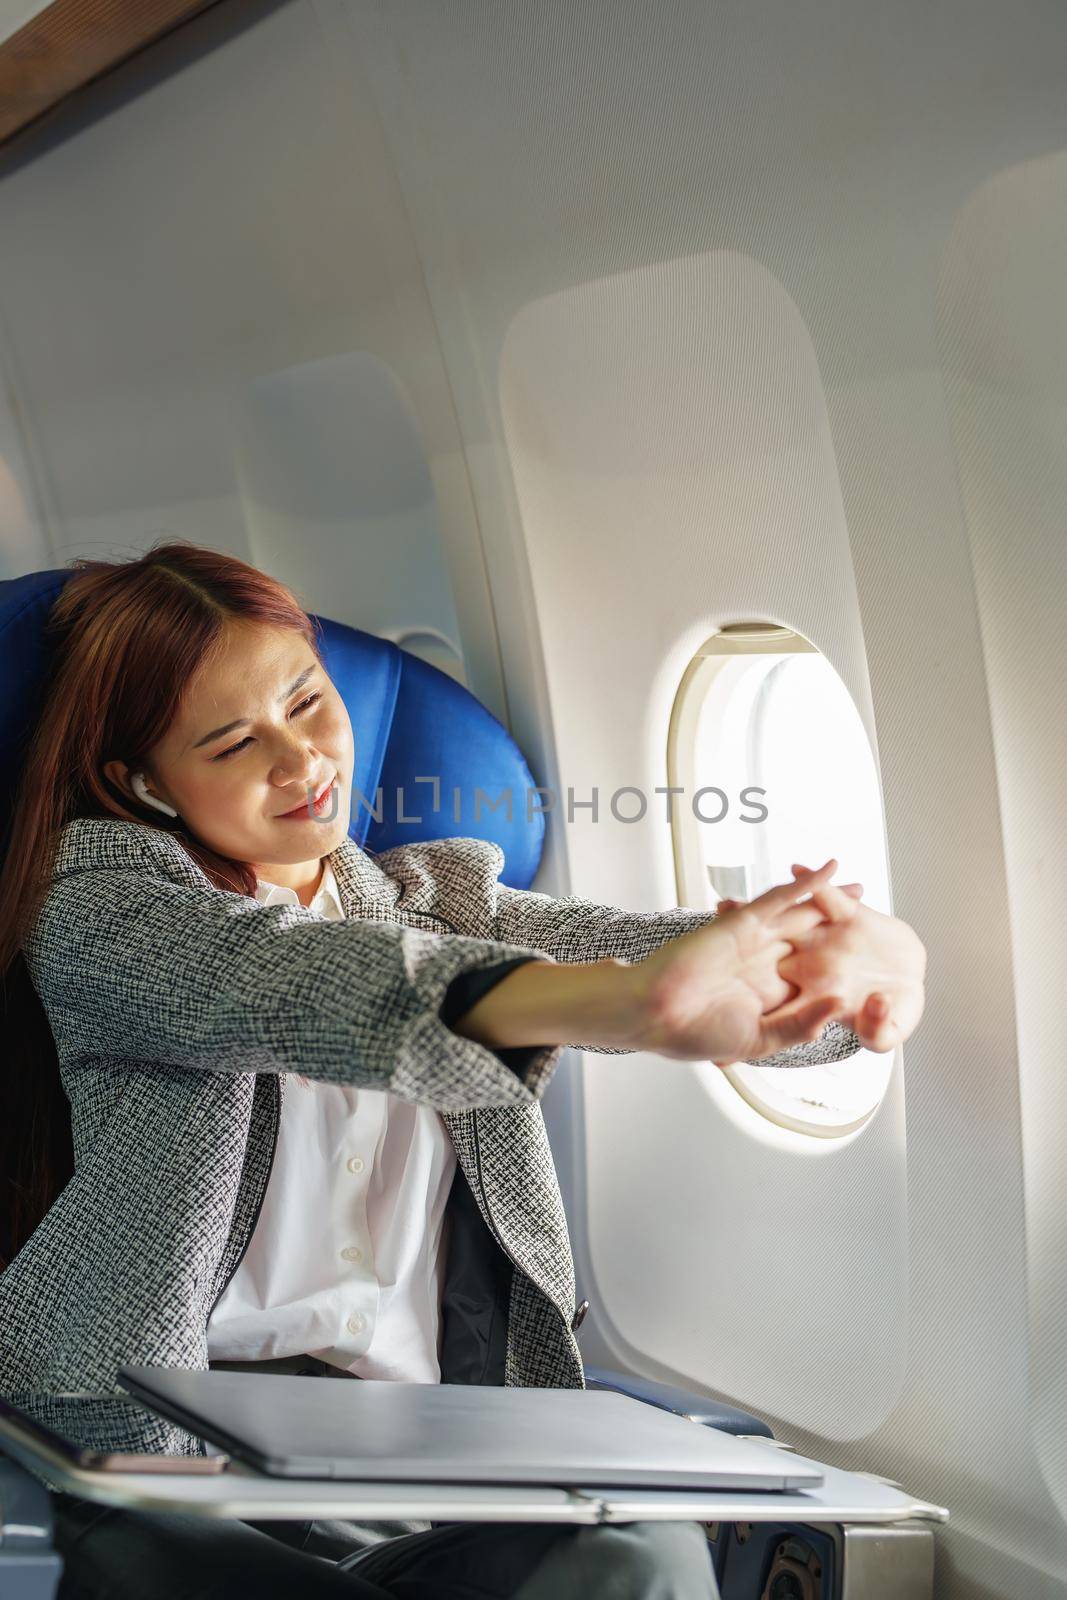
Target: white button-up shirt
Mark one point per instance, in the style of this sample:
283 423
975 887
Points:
345 1262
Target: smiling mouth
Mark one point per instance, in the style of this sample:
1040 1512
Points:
302 809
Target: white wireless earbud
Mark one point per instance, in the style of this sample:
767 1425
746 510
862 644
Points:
140 789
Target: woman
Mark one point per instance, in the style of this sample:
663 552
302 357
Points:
303 1081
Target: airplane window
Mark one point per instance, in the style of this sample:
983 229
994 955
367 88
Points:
339 501
754 704
431 645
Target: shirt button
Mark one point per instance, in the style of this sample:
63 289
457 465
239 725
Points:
355 1164
356 1323
353 1253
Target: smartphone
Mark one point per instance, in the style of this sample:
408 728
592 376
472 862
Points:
20 1424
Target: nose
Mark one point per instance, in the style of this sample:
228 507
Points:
298 765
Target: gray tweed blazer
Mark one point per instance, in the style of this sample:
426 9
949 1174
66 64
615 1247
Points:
178 1010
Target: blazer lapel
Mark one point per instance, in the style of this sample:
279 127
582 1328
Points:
503 1151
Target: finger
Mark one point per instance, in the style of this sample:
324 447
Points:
796 1024
796 922
835 905
851 888
831 898
793 923
814 914
874 1025
798 1001
769 980
788 894
728 903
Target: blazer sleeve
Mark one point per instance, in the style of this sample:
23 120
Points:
132 966
572 929
466 990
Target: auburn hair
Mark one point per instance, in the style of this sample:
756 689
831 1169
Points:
123 641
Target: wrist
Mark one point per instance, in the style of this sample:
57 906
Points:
546 1002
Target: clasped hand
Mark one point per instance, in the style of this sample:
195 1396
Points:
772 972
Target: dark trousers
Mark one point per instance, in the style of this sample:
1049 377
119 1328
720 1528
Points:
114 1554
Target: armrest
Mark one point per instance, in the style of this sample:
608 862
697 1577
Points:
29 1567
25 1509
710 1413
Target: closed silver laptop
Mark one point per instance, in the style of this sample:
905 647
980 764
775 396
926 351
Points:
370 1430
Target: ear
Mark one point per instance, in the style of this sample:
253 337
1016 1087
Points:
119 774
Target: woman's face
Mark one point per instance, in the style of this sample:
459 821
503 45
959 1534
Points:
291 737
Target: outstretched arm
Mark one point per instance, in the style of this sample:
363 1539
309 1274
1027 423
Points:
133 967
849 958
571 929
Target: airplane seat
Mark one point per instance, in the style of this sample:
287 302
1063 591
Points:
667 1397
442 760
30 1568
412 724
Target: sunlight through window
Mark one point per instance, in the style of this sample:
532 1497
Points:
763 719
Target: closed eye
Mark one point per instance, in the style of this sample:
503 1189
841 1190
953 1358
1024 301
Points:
232 751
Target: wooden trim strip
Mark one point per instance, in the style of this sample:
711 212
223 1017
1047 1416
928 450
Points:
72 42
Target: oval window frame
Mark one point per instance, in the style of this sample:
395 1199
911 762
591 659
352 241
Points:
757 637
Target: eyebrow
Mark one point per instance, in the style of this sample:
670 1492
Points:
228 727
